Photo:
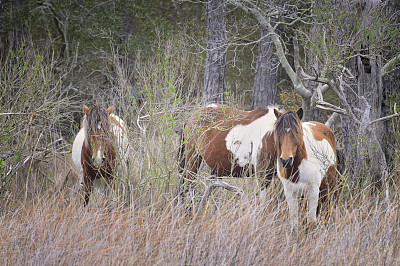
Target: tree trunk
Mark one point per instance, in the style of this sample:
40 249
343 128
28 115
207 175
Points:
362 144
265 80
214 74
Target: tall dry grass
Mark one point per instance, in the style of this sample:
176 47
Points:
49 231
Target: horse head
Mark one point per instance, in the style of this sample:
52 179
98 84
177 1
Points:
98 134
288 134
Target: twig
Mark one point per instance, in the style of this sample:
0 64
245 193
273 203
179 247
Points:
222 184
27 131
14 113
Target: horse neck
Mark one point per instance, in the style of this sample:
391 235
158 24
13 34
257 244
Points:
301 148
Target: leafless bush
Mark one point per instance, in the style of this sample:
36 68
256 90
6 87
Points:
34 115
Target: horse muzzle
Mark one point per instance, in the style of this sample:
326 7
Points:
287 163
98 160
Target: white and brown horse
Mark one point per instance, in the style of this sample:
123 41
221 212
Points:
230 141
306 162
100 143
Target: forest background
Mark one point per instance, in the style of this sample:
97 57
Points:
156 62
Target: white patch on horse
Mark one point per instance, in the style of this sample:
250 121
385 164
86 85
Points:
287 129
120 134
77 151
212 105
245 141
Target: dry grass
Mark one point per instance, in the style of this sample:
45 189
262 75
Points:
49 231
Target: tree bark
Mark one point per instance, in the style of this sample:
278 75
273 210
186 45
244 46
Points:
362 144
265 80
214 74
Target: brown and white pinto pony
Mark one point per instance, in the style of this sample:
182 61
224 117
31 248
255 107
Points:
97 147
230 141
306 162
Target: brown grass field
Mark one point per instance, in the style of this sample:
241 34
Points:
51 226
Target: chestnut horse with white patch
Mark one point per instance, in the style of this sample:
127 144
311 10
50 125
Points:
101 141
306 160
230 141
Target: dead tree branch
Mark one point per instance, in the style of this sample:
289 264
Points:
224 185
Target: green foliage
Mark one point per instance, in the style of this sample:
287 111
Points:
290 100
342 30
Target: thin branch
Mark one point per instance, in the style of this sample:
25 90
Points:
15 113
224 185
262 19
389 66
396 114
330 107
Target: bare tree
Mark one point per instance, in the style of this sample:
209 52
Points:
348 49
214 74
265 80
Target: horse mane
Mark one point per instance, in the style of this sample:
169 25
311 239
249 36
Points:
287 122
98 116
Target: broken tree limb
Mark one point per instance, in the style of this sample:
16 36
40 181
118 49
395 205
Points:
224 185
330 107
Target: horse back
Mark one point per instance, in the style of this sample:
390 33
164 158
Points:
222 135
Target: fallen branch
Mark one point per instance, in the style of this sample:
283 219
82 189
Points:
224 185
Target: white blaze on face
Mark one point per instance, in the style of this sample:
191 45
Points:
245 141
97 160
97 157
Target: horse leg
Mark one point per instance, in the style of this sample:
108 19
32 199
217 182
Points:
293 203
88 184
312 203
329 190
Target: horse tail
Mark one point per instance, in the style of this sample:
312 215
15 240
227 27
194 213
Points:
340 161
181 152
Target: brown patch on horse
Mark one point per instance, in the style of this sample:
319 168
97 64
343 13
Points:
321 131
205 135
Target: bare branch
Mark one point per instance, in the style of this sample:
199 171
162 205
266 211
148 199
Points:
330 107
396 114
224 185
264 21
389 66
332 119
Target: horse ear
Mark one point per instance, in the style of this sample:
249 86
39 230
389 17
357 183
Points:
300 113
110 109
86 109
277 113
